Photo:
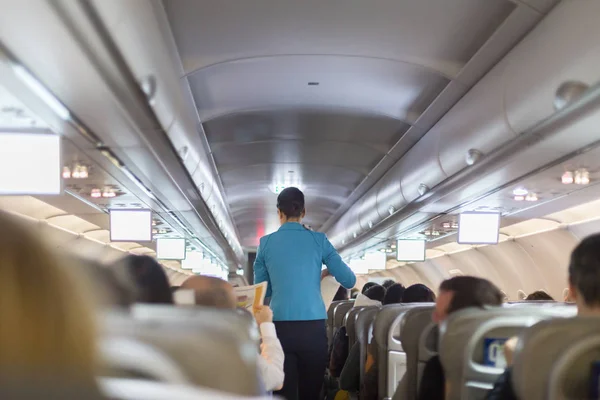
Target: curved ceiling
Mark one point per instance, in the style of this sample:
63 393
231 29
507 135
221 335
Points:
318 93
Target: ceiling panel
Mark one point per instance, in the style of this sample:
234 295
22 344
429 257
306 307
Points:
316 93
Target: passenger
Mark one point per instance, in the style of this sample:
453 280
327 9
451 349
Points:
111 291
455 294
151 282
341 294
388 283
584 288
373 296
290 260
47 328
539 295
217 293
366 286
393 294
418 293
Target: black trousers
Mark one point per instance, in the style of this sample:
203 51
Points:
305 346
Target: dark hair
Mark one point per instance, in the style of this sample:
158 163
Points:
150 280
470 291
418 293
584 269
291 202
393 294
175 288
367 286
539 295
375 292
354 293
341 294
388 283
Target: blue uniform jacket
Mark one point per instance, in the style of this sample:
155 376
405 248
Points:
290 260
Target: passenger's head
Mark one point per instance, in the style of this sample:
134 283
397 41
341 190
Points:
151 282
354 293
366 287
418 293
584 275
341 294
290 205
462 292
211 292
387 283
393 294
47 313
539 295
112 291
376 292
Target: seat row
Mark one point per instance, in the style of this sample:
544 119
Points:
553 359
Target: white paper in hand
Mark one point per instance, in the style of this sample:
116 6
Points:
329 287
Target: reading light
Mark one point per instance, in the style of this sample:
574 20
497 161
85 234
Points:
66 173
567 178
108 193
393 245
41 91
531 197
391 210
83 172
96 193
519 198
446 225
520 192
455 225
582 177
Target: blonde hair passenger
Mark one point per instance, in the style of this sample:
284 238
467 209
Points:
47 323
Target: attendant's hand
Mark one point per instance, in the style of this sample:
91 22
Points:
263 314
325 273
509 349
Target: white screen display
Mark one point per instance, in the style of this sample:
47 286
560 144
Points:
193 260
170 249
29 164
478 228
410 250
130 225
359 266
376 260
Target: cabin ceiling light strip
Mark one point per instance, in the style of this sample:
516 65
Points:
42 92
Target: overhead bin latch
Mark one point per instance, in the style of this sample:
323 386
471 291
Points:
568 92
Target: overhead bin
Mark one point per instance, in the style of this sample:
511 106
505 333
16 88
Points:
515 95
142 33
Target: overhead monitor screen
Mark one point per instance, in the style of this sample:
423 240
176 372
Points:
410 250
131 225
376 260
193 260
359 266
170 249
478 228
29 164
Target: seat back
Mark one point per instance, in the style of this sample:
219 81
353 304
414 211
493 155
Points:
386 332
364 333
351 317
471 342
340 313
330 312
555 358
208 348
428 347
412 327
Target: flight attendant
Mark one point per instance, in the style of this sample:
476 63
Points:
290 261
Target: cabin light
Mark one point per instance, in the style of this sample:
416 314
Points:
383 250
154 222
83 172
582 177
531 197
455 225
96 193
446 225
370 224
66 173
393 245
519 198
154 231
391 210
567 178
389 251
422 189
355 235
435 233
108 193
520 192
162 231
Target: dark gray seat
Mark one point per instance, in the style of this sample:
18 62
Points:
330 312
554 357
339 313
412 327
462 338
351 317
386 329
364 333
